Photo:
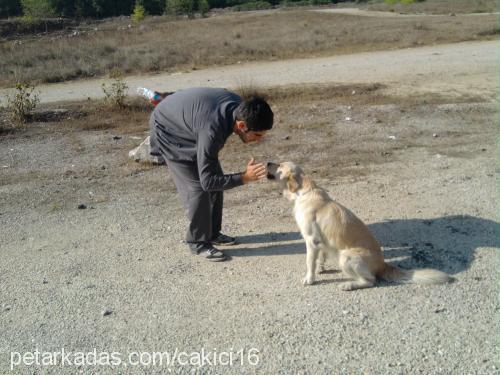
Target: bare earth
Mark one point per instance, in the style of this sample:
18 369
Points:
414 157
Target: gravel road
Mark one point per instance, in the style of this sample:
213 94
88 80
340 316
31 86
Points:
113 279
460 67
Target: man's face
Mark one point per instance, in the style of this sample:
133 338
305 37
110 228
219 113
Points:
248 136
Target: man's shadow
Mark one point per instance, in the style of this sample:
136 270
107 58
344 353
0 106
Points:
448 243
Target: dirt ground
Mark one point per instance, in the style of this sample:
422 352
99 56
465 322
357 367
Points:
418 167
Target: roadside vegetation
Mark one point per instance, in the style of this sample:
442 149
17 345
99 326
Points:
21 103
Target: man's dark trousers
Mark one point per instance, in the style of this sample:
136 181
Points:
204 209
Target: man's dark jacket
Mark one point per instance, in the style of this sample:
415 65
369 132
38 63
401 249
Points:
192 126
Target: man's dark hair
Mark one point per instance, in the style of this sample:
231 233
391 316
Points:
256 113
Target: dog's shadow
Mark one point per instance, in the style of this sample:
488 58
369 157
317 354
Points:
296 247
447 243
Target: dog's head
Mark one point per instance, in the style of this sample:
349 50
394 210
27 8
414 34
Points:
289 175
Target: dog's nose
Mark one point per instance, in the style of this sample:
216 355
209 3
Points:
270 165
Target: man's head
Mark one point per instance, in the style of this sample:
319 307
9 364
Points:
253 118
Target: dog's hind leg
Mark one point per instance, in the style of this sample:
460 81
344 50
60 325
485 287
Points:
320 263
354 266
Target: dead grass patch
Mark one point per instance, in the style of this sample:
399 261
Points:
312 128
165 44
96 115
438 7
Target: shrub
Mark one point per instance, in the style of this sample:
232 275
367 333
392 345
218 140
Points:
187 7
139 12
178 7
24 101
203 7
253 5
34 9
116 92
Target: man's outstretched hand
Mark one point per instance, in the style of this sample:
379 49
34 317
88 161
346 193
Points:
255 171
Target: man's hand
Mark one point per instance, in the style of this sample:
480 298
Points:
254 172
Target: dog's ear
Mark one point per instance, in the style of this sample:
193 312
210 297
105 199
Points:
292 184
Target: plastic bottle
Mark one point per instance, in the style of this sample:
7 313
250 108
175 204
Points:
153 96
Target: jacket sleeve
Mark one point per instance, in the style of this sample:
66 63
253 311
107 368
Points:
210 173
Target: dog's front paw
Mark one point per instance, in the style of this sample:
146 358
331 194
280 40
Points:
308 280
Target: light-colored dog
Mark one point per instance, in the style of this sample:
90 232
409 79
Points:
329 228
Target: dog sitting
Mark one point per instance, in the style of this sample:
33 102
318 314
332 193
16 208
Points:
329 228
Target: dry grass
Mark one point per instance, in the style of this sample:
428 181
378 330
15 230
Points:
164 44
310 120
439 7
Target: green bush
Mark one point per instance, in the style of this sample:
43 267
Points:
186 7
253 5
34 9
404 2
116 92
24 101
203 7
139 12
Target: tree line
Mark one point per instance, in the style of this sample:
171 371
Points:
111 8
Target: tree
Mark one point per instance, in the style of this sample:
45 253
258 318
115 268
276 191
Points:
187 7
178 7
38 8
109 8
203 7
154 6
10 8
139 12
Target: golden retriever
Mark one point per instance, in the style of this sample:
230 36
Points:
329 228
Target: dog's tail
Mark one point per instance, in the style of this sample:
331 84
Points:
422 276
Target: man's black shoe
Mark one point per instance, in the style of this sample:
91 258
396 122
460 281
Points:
212 254
223 240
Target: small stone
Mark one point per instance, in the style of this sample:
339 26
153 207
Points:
107 312
435 135
82 206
